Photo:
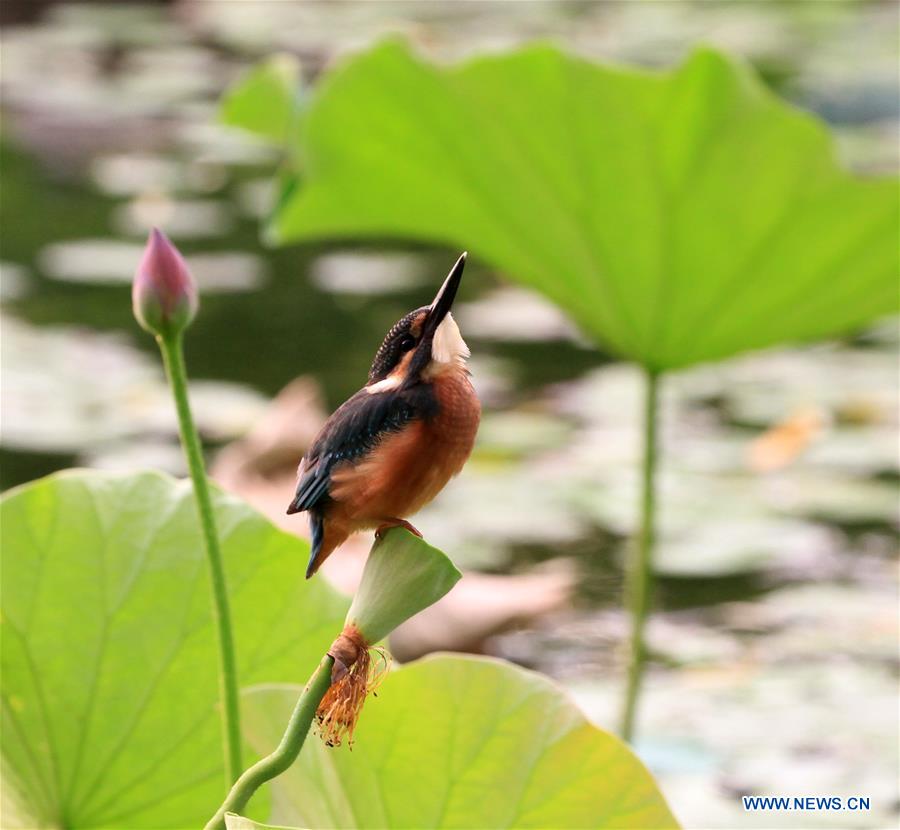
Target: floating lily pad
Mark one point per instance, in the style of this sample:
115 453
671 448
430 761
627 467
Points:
71 390
367 273
182 218
14 281
516 314
106 261
91 260
520 433
728 546
129 174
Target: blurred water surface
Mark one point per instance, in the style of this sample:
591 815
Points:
775 657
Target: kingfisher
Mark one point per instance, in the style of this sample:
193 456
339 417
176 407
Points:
392 447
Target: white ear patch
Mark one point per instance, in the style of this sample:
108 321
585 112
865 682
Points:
391 382
448 345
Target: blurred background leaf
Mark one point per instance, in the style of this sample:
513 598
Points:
266 100
109 661
454 741
678 217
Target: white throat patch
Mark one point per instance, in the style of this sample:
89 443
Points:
448 347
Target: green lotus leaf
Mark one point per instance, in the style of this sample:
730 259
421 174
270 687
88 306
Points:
678 216
109 655
463 742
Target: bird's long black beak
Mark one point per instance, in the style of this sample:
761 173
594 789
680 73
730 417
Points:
443 300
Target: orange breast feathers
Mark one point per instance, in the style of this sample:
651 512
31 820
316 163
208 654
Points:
410 467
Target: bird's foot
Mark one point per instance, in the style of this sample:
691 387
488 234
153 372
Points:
384 528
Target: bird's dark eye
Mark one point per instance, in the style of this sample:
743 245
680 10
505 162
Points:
406 342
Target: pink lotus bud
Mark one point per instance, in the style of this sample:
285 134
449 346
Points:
164 294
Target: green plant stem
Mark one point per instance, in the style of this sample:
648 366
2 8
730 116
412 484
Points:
173 358
639 573
287 751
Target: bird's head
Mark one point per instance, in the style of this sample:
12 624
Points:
423 344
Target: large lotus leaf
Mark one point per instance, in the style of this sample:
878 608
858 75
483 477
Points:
109 657
678 217
462 742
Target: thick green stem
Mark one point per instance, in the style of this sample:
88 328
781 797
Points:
173 358
639 574
287 751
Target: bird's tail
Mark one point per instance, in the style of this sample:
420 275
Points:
317 532
294 506
319 552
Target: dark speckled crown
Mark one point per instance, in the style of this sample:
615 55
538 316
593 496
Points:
389 354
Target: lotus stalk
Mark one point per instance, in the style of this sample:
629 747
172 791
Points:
639 569
165 302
